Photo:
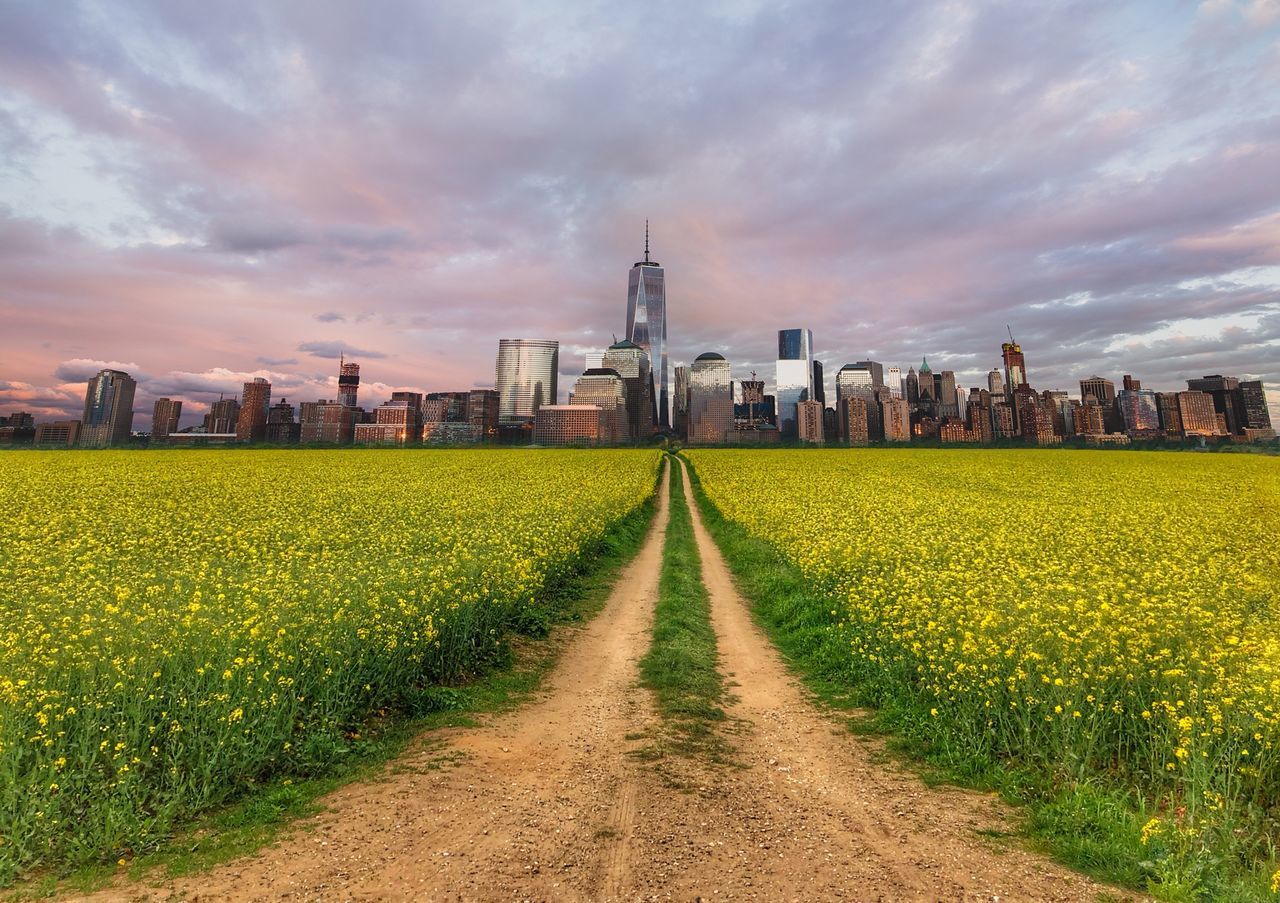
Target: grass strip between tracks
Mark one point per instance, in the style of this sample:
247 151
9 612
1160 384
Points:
258 818
1088 826
680 666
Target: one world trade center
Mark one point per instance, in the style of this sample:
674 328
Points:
647 322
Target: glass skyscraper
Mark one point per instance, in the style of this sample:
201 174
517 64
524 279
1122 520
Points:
108 409
647 322
526 377
794 378
710 399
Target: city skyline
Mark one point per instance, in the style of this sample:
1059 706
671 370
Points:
199 203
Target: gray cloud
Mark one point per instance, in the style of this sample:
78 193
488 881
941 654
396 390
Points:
334 350
904 179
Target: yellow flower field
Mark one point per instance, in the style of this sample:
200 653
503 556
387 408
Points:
174 625
1099 616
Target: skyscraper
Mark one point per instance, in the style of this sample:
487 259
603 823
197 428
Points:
1139 411
680 402
854 379
995 383
482 410
946 395
164 419
1015 365
809 417
647 322
794 376
108 409
348 382
893 380
1253 399
631 362
1227 399
710 399
222 416
255 405
282 427
525 376
605 389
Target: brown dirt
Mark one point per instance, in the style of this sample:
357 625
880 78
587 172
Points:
552 802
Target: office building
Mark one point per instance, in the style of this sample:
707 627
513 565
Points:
443 432
710 399
525 377
567 424
255 405
809 421
482 411
1199 417
911 387
57 434
819 384
853 419
1139 412
222 417
947 405
1170 417
896 414
1089 418
348 382
165 414
394 423
631 363
925 386
1015 365
995 384
1227 399
855 379
893 380
605 389
1129 384
978 415
680 402
327 422
751 410
445 407
1003 422
647 323
1253 404
793 376
1104 390
282 428
108 410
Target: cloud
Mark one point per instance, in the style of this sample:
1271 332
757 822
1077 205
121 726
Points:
188 185
82 370
334 350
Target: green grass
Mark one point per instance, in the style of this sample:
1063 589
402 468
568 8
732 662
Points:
1093 828
267 810
680 666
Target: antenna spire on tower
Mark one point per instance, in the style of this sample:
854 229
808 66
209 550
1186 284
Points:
646 241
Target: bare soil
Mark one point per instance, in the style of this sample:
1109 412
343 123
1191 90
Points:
558 800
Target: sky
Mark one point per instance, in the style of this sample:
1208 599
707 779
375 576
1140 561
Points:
201 193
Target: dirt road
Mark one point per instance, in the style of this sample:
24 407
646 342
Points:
550 802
